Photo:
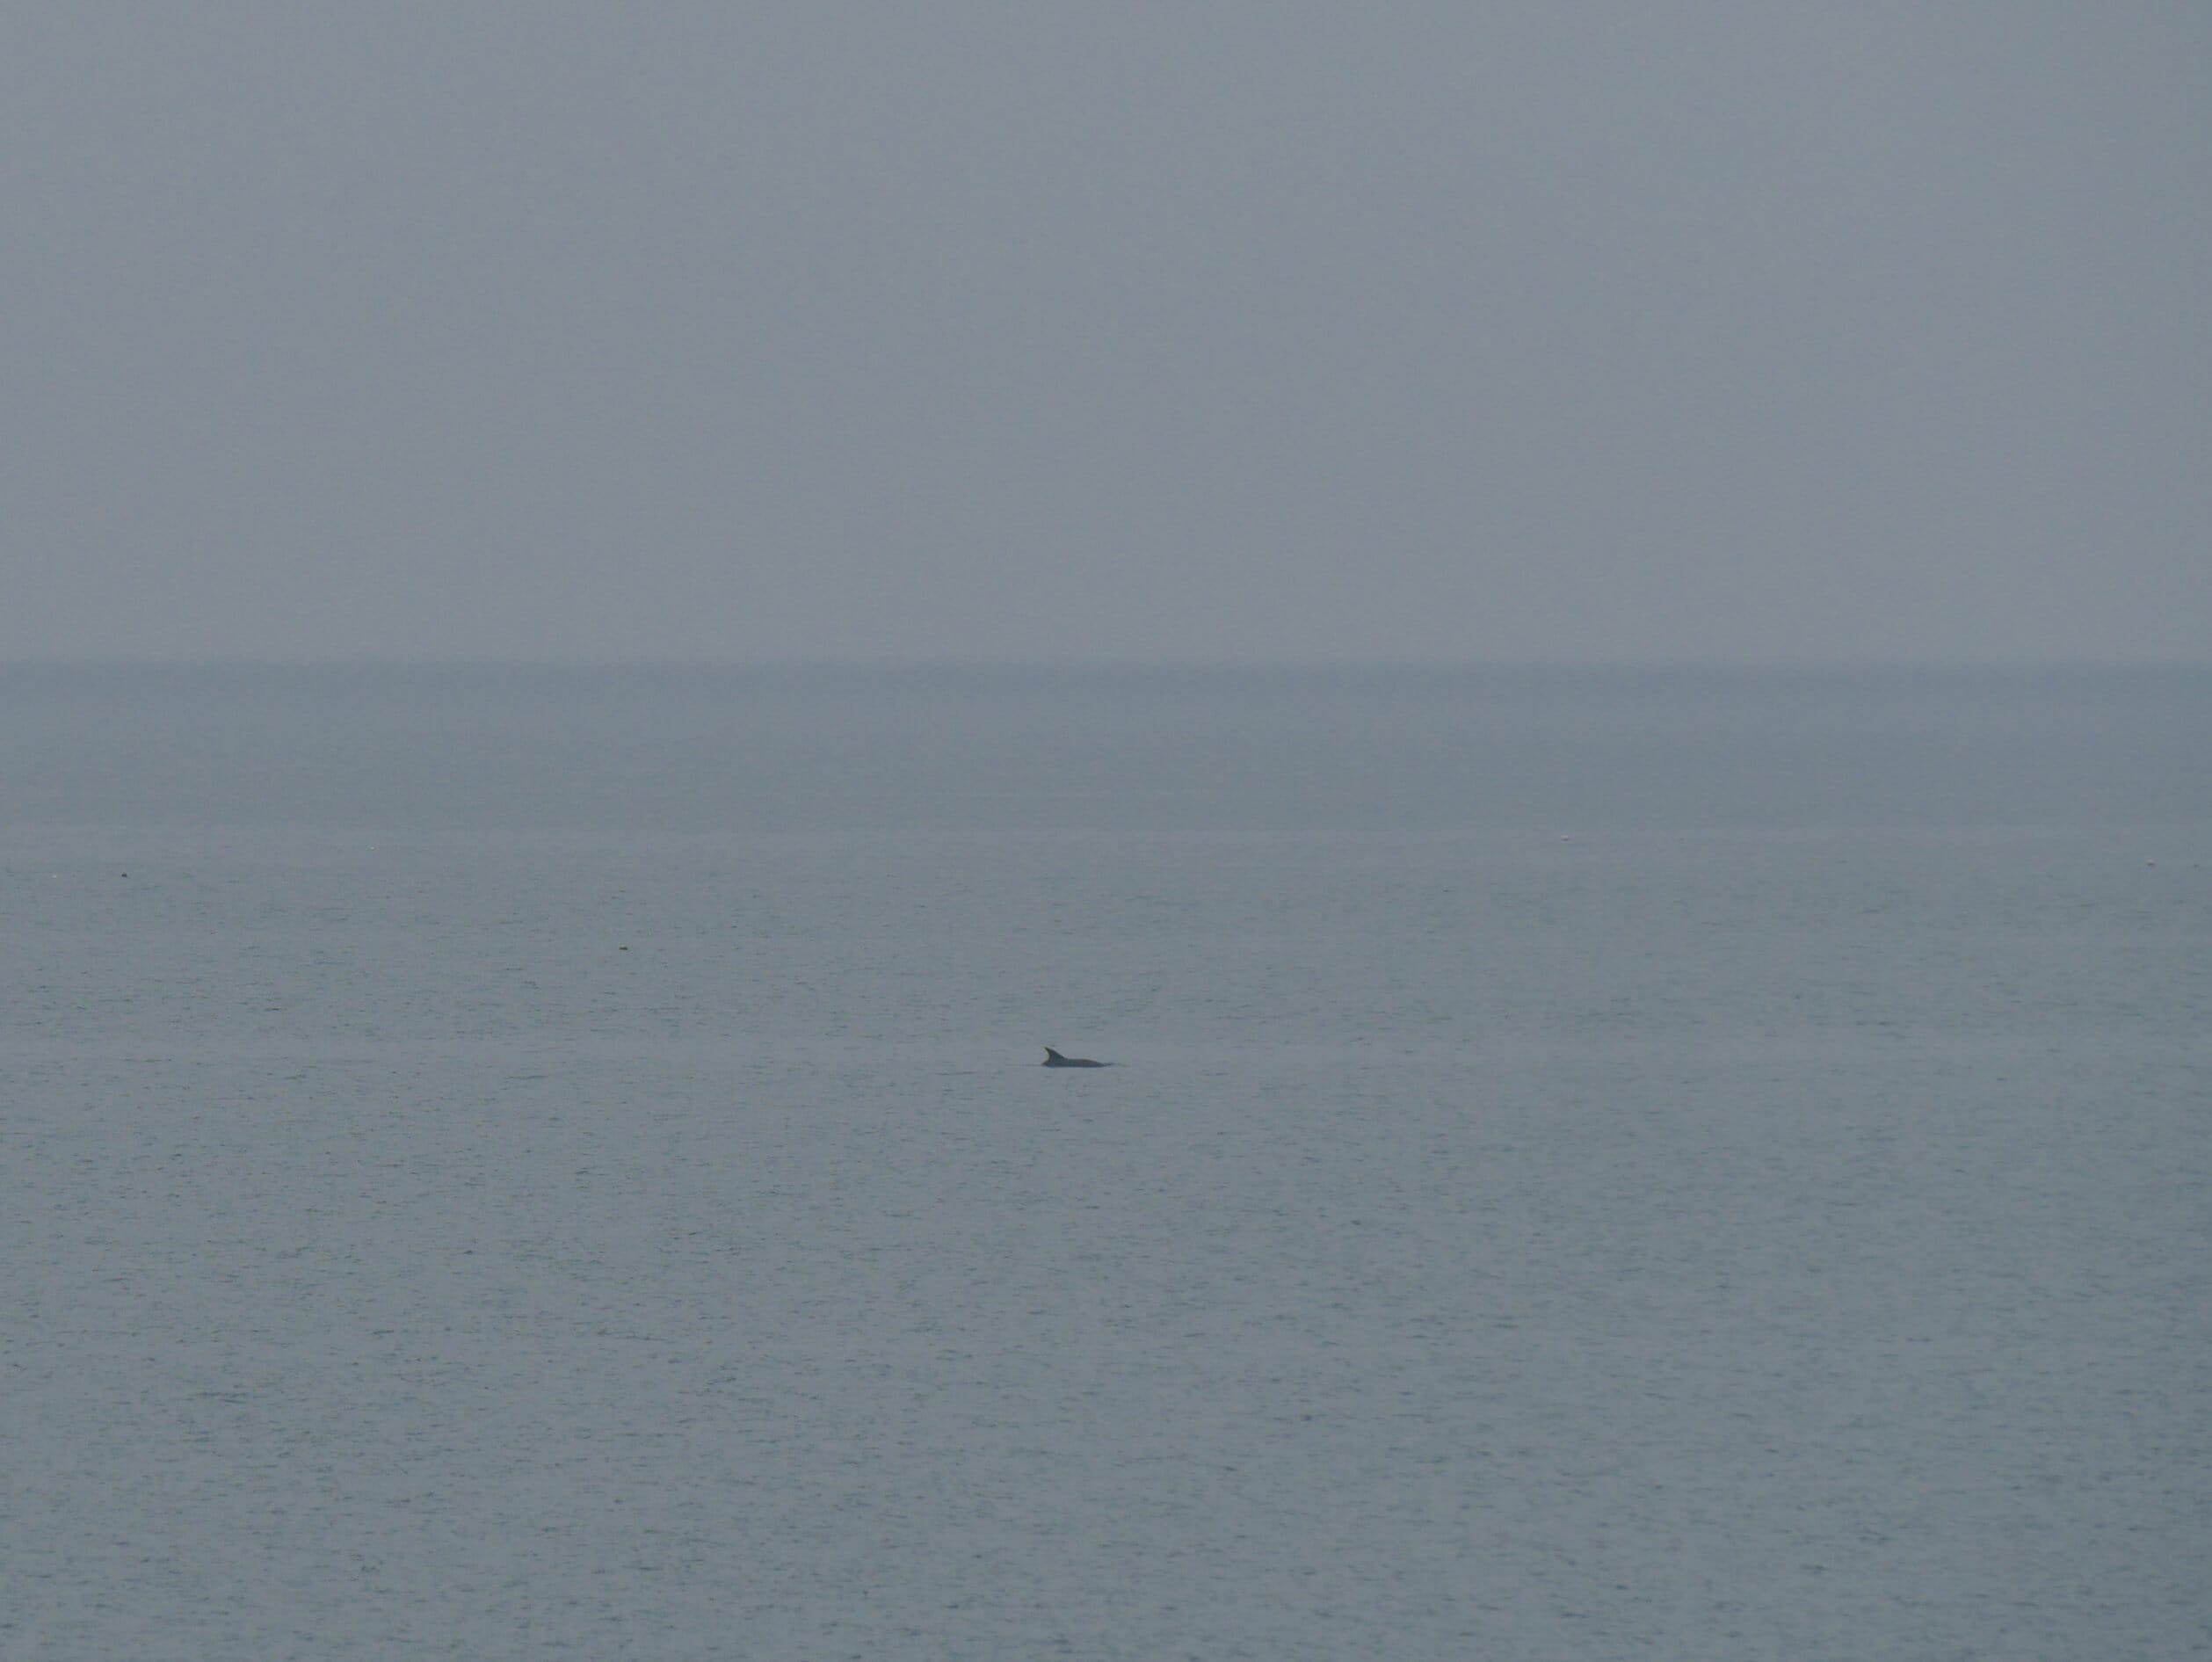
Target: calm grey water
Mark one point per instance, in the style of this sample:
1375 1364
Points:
510 1164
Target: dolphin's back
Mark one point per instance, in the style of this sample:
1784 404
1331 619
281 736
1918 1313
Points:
1053 1059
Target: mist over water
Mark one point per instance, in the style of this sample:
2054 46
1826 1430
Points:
983 750
1598 1164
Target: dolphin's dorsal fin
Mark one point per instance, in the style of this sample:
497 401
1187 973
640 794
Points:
1054 1053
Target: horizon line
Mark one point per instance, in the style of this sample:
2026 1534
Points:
436 662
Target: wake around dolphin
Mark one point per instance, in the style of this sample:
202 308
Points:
1053 1059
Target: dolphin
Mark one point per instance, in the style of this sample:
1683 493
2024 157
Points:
1053 1059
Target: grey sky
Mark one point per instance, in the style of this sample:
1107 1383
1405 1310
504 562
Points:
979 329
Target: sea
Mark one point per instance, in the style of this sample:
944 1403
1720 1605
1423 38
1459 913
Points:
510 1163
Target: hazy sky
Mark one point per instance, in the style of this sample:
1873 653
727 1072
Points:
987 329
